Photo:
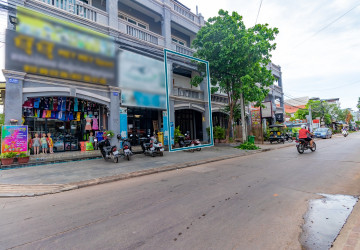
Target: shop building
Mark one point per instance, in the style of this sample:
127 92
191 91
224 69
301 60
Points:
68 110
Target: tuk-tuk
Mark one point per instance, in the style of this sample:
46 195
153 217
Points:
277 133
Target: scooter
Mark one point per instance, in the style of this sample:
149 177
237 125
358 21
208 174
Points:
187 142
108 151
151 146
345 133
303 145
126 145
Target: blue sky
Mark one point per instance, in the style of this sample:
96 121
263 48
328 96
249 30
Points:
323 64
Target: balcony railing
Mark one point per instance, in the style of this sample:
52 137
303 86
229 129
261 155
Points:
219 99
183 11
78 8
189 93
141 34
182 49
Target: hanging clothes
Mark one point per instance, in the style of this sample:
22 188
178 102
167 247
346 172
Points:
88 123
95 125
78 116
76 105
51 104
37 103
63 104
55 104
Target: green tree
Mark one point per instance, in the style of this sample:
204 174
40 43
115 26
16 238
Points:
358 104
238 57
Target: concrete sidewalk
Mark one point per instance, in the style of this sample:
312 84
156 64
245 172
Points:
349 236
59 177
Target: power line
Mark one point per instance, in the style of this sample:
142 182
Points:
326 26
258 12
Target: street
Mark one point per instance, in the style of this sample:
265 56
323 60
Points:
251 202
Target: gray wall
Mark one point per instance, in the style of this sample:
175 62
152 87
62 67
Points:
182 36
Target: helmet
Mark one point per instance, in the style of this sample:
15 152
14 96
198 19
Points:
303 126
118 137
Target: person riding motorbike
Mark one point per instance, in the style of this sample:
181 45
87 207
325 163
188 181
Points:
306 135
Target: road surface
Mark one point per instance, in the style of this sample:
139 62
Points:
252 202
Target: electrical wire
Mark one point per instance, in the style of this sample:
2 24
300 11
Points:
326 26
258 12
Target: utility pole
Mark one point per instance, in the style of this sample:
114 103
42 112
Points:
243 122
310 119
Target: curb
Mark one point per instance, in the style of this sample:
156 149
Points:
53 188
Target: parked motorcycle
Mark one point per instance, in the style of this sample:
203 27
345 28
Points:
303 145
288 138
126 145
151 146
186 141
108 151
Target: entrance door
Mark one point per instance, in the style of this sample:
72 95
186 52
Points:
189 121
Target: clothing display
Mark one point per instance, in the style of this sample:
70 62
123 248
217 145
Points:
36 142
95 125
88 123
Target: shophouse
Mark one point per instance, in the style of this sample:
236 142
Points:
142 27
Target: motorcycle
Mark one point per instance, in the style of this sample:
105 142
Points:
126 145
303 145
151 146
288 138
108 151
187 142
345 133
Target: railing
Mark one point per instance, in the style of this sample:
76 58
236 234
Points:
219 99
183 11
183 49
141 34
189 93
78 8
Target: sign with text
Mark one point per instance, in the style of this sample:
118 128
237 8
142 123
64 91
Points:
267 111
43 45
14 138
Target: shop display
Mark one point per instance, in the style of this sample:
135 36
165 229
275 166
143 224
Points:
70 120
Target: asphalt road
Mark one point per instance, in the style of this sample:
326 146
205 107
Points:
252 202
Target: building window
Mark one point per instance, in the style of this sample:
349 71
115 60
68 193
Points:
178 40
133 20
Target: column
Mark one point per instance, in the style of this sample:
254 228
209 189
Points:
114 117
13 96
112 10
206 114
166 25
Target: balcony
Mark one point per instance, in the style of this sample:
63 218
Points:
219 99
183 11
77 8
188 93
141 34
182 49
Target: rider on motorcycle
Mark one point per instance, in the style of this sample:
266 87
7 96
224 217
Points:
305 135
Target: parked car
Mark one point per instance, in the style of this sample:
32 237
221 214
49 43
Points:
323 133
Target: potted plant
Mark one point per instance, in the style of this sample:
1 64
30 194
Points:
23 158
8 158
177 134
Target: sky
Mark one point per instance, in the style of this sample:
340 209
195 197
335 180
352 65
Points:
318 46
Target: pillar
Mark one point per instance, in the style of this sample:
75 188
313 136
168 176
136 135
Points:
114 117
13 96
